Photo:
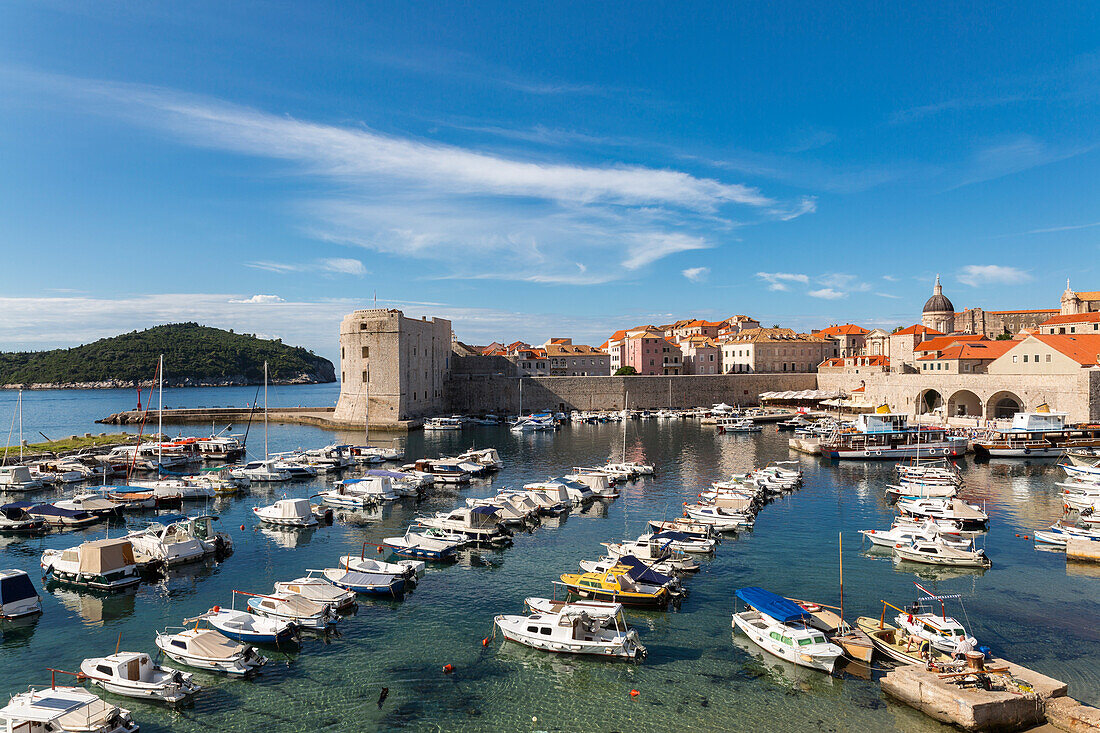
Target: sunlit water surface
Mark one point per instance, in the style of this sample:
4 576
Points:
699 675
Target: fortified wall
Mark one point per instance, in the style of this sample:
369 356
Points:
470 392
981 396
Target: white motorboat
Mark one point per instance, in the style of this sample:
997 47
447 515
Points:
443 471
64 709
944 508
653 552
318 590
18 598
1060 534
782 628
583 627
922 490
133 674
101 565
287 513
510 514
205 648
906 533
634 468
17 479
430 544
478 524
442 424
296 609
342 497
248 627
943 632
681 541
91 503
175 540
601 483
736 425
938 552
562 490
721 519
487 458
378 487
261 472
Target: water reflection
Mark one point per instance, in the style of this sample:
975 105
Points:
95 608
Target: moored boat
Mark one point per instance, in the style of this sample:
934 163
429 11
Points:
585 627
781 627
133 674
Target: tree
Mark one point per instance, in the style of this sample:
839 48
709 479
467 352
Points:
1004 337
625 371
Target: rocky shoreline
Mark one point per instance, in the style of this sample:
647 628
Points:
237 381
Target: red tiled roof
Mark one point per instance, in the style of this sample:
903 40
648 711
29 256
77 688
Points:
1036 310
1082 348
1074 318
939 343
972 350
918 329
847 329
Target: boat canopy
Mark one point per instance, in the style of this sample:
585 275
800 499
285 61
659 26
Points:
105 556
642 573
487 511
357 579
395 475
674 537
769 603
15 586
51 510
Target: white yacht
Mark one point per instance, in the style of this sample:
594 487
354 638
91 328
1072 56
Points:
782 628
583 627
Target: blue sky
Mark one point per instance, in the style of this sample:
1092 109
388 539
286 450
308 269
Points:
533 170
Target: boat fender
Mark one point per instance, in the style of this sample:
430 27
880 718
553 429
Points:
380 549
242 528
485 641
382 696
634 693
448 668
1027 451
811 607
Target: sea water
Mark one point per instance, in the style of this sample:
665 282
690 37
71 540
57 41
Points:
699 675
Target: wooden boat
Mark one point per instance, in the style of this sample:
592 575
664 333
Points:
133 674
205 648
855 643
898 645
68 709
586 627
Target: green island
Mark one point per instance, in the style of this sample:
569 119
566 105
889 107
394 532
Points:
194 355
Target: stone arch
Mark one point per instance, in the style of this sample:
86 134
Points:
928 401
1003 404
964 403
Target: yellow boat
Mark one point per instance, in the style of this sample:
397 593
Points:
617 585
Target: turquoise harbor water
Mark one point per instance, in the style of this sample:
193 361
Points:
699 675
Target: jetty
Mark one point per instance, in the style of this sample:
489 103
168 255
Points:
991 695
319 416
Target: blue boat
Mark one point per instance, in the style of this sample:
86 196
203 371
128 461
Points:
378 584
248 627
423 546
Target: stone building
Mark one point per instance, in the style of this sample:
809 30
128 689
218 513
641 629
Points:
399 364
1074 303
851 339
775 350
938 313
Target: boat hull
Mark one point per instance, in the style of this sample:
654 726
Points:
787 654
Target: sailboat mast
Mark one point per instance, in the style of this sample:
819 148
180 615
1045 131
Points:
20 426
160 416
626 416
366 410
840 545
265 411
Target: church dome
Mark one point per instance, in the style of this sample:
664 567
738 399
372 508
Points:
938 303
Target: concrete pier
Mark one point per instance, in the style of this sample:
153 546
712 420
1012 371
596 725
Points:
319 416
1081 550
972 708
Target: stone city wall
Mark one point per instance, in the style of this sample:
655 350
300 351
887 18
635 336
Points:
488 393
977 394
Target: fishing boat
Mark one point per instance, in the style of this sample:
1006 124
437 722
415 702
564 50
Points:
298 610
248 627
133 674
855 643
617 585
424 545
100 565
67 709
14 519
586 627
480 524
365 583
897 644
781 628
18 598
287 513
318 590
920 619
938 552
205 648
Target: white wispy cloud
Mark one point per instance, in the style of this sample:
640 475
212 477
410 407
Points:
471 213
696 274
782 280
888 295
330 265
827 294
978 275
259 299
1067 228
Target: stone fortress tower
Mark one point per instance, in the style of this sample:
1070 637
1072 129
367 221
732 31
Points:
938 312
399 364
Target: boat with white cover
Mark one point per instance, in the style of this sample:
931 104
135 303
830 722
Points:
479 524
581 627
133 674
287 513
318 590
944 508
206 648
296 609
904 534
67 709
783 628
18 598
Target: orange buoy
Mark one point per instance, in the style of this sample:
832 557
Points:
485 641
380 549
242 528
216 609
634 693
448 668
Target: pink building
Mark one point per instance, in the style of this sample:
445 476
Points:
701 355
649 352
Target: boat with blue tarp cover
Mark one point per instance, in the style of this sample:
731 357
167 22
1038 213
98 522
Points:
54 515
782 627
377 584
